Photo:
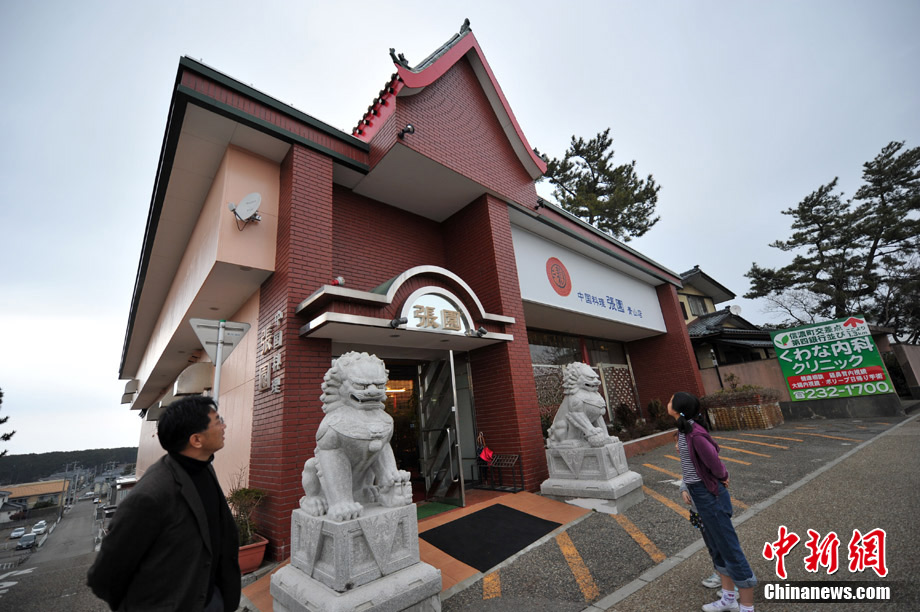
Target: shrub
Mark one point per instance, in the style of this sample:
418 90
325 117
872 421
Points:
547 415
896 374
243 502
658 414
625 415
740 396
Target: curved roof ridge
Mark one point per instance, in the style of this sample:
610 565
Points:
400 60
461 45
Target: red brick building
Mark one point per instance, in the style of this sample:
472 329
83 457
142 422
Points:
420 238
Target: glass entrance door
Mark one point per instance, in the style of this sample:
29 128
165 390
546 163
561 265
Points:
439 444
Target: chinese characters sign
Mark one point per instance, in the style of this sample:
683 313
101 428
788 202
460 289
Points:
446 319
608 302
834 359
864 551
432 312
589 283
270 340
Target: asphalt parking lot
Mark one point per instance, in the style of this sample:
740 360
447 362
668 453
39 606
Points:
800 470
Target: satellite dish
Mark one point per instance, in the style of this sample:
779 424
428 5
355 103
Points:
248 208
735 310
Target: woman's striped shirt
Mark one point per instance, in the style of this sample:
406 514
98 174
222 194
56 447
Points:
686 464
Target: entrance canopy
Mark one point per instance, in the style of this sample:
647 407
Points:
444 314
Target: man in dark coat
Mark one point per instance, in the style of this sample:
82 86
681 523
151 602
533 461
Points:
173 544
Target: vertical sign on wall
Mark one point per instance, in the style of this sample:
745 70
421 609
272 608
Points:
268 378
834 359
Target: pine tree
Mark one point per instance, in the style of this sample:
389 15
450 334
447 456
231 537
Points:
4 437
854 256
612 199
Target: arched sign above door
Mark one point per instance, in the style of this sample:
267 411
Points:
435 309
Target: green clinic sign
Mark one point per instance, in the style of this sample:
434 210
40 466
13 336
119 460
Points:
834 359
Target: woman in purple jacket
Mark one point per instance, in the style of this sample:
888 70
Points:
706 480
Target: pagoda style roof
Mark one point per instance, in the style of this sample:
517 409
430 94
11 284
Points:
407 81
725 326
708 285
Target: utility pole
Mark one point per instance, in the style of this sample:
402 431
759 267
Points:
64 487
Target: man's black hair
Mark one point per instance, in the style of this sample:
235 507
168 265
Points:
181 419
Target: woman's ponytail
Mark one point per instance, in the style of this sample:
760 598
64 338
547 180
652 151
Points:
687 406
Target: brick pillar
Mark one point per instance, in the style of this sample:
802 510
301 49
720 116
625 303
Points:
663 365
478 241
284 424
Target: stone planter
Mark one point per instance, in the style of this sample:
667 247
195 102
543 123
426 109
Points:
251 555
725 415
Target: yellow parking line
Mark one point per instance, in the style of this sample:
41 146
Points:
750 442
491 586
667 502
831 437
577 565
740 504
679 509
877 423
655 467
806 427
722 458
861 427
774 437
741 450
636 534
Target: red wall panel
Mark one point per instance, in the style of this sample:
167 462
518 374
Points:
665 364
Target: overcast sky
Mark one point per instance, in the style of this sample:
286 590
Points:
738 109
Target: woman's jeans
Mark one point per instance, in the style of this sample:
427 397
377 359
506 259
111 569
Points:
716 514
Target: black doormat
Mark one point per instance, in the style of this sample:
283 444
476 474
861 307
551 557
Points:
487 537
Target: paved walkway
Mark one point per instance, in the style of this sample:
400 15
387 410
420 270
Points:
875 485
828 475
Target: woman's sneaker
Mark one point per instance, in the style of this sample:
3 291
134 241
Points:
713 581
720 606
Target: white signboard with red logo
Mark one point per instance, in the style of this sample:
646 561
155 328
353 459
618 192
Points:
555 276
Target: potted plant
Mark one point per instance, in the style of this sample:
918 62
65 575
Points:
243 502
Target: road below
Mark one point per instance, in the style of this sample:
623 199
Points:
53 577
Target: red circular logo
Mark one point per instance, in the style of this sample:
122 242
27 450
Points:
558 276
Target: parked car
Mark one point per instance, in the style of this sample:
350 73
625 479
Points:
18 532
26 541
39 527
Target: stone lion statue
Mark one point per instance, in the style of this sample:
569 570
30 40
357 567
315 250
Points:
579 421
353 463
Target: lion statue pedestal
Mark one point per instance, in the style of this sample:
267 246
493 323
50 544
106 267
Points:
587 467
354 538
